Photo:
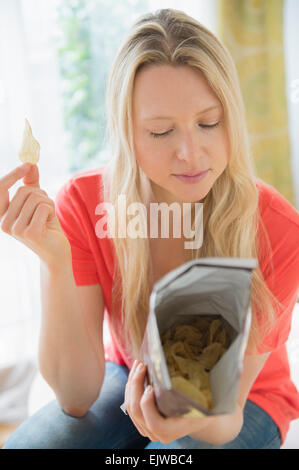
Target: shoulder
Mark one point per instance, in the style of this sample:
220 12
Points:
274 206
85 181
85 187
281 223
280 220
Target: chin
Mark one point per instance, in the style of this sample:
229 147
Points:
191 195
190 199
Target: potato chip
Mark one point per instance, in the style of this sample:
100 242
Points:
213 329
210 355
191 351
186 387
30 148
194 413
188 332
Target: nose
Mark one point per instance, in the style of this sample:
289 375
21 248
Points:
188 148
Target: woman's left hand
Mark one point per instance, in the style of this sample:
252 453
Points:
141 407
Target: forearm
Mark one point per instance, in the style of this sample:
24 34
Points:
221 428
67 360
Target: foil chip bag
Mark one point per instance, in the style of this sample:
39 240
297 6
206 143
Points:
196 335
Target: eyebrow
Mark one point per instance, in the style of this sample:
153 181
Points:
152 118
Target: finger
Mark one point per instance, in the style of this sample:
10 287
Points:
154 421
135 390
129 382
135 387
25 202
24 220
134 367
6 182
131 373
128 393
37 226
144 432
11 178
32 177
139 426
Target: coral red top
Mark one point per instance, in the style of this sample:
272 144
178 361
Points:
93 263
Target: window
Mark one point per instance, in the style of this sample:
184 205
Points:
54 58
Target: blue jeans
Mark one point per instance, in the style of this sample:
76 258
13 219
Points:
105 426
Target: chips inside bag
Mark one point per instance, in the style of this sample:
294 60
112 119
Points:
191 351
196 335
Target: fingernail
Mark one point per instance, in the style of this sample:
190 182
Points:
148 389
140 367
26 166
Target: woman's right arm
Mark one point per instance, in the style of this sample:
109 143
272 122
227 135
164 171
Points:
71 352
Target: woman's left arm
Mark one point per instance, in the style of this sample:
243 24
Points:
224 428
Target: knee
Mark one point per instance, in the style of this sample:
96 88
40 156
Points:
25 438
48 428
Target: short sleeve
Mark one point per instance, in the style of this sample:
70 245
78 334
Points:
71 215
285 286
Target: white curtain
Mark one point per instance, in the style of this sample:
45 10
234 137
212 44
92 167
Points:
29 87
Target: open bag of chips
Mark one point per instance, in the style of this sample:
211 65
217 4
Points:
196 336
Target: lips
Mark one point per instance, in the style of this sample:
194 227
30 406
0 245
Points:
192 179
191 173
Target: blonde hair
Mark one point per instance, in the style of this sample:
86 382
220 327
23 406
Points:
231 215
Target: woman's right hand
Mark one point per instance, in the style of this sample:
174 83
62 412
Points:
30 216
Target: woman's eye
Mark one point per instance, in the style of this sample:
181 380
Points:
153 134
203 126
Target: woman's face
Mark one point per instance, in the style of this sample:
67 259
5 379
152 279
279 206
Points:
173 101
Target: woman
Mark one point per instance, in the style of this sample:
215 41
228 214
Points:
174 107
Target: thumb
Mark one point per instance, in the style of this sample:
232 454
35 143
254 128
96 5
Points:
32 177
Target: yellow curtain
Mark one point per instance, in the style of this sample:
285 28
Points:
252 30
